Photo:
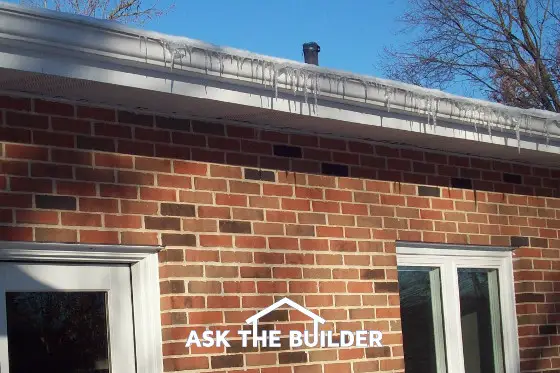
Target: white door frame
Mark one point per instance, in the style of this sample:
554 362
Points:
143 261
448 258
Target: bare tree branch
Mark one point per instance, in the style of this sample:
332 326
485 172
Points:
125 11
508 49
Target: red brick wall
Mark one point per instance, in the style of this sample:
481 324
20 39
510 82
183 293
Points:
248 216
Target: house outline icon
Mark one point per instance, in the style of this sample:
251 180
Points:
316 319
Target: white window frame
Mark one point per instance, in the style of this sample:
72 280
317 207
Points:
143 261
448 259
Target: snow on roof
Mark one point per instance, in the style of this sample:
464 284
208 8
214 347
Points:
317 81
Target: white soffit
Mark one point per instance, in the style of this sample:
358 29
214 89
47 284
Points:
78 58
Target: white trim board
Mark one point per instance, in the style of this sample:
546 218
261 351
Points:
143 262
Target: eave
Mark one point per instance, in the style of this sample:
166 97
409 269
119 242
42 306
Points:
78 58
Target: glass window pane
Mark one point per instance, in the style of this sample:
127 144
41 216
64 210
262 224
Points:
481 320
62 332
422 320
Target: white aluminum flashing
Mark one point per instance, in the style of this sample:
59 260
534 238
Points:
82 51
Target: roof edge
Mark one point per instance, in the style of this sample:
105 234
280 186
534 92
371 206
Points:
152 50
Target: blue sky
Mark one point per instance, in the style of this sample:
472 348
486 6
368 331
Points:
351 33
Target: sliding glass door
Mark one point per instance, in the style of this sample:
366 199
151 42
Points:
457 311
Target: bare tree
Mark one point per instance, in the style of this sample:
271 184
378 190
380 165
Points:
126 11
508 49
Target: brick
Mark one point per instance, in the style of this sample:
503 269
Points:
377 352
80 219
250 242
27 152
158 194
95 143
138 207
14 168
158 223
71 125
227 361
139 238
136 118
146 134
15 103
255 174
53 139
123 221
386 287
56 235
135 178
16 233
108 115
231 200
113 160
125 146
51 170
55 202
26 120
118 191
174 181
176 209
247 214
517 241
204 287
372 274
26 184
112 130
216 241
185 363
52 107
292 357
221 271
282 243
37 217
99 237
234 226
300 230
152 164
98 205
169 239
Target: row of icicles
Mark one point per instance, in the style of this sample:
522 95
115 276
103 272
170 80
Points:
306 81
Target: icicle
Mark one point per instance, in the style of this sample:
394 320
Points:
221 62
387 99
275 81
295 81
304 87
145 38
435 113
164 48
365 90
316 92
518 134
546 131
206 61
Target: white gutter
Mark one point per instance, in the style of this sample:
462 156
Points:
153 51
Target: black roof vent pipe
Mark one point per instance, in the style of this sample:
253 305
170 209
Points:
311 53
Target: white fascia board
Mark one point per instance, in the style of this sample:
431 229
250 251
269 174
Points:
193 85
48 42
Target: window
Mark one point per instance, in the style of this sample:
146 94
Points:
78 308
457 310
